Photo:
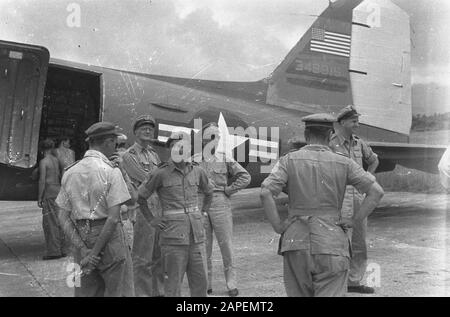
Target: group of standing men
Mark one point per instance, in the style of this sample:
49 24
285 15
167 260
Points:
138 225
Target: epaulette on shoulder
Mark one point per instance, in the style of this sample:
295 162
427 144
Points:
341 154
162 165
71 165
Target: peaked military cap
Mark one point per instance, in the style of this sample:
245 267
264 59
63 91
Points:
100 129
319 120
144 119
347 113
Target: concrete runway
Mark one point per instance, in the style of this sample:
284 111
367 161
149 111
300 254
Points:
408 240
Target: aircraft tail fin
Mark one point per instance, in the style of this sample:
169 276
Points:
356 52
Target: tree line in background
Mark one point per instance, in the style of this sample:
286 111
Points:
435 122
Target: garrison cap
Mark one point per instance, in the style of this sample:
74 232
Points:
319 120
100 129
347 113
144 119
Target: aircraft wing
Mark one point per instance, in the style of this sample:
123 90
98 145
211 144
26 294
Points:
417 156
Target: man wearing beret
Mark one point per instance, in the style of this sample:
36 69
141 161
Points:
178 183
313 241
92 192
346 142
138 162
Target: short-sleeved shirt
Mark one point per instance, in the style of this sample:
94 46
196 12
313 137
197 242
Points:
355 148
178 190
359 151
92 186
316 179
220 168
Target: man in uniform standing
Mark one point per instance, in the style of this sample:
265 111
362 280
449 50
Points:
177 184
138 162
313 240
219 218
92 192
346 142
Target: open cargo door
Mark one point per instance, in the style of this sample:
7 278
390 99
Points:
23 73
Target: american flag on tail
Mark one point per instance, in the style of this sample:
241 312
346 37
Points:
330 42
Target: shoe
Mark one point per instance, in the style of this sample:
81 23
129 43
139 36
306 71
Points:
52 257
209 291
361 289
233 292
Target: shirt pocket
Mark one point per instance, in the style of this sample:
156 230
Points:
169 182
219 174
173 187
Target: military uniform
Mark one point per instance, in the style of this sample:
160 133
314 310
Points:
127 213
182 242
315 250
219 217
89 188
357 150
139 162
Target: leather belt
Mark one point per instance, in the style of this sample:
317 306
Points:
91 222
186 210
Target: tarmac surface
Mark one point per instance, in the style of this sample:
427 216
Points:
408 241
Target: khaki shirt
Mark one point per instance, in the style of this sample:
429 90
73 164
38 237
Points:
138 162
318 178
356 149
219 169
360 152
178 190
92 186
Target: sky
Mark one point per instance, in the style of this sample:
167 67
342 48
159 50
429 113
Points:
237 40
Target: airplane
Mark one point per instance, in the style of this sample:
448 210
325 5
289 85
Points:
351 54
